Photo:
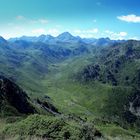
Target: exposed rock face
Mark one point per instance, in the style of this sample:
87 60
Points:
91 72
135 104
48 107
13 95
117 64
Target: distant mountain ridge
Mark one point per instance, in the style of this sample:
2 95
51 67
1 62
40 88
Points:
66 37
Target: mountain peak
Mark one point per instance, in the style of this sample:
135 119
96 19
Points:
45 36
65 35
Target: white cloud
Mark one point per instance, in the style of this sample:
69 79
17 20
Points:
20 17
27 20
39 31
134 38
114 35
93 30
89 33
123 34
43 21
109 32
54 32
10 32
130 18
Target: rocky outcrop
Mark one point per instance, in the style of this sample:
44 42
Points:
14 96
91 72
47 106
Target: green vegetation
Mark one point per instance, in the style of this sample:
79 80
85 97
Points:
51 128
79 89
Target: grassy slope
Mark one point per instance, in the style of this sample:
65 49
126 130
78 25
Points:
72 97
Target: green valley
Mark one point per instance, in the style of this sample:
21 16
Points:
72 84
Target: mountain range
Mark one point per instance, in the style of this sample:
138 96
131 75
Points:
65 37
70 82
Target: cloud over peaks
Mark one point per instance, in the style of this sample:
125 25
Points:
39 31
130 18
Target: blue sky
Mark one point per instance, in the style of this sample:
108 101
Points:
117 19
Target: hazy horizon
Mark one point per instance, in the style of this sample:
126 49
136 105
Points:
55 36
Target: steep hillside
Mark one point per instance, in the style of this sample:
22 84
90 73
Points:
13 100
119 66
16 103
